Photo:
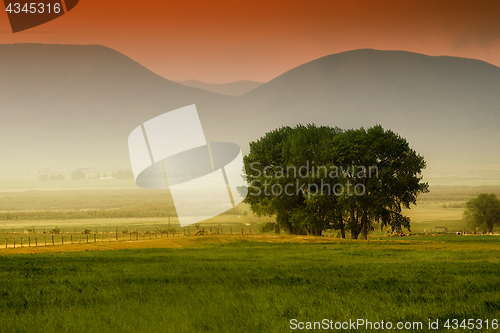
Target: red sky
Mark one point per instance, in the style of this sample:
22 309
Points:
224 41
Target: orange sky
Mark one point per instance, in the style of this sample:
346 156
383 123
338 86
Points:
223 41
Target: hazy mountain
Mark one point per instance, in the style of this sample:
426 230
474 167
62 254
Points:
76 105
447 107
237 88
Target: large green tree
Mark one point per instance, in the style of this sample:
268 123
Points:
316 178
384 175
276 186
483 212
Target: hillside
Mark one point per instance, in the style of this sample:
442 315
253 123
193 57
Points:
77 104
447 107
237 88
69 105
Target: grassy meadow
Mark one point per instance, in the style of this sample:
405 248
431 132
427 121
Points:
251 284
248 282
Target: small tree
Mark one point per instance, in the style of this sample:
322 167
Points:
43 177
78 175
483 212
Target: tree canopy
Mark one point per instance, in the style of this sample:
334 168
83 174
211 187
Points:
317 178
78 175
483 212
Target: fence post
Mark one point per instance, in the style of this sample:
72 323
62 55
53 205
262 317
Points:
29 241
21 242
14 242
52 239
5 242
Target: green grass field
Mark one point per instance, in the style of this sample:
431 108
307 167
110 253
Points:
223 283
252 286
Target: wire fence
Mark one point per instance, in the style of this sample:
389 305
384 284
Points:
47 236
58 237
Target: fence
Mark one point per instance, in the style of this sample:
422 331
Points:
13 240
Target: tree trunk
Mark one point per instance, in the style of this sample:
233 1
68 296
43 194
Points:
342 228
354 226
364 225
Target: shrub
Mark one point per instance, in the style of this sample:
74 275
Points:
78 175
270 226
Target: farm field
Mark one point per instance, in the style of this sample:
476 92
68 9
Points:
248 283
121 263
104 206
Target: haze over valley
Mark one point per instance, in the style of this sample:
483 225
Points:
68 106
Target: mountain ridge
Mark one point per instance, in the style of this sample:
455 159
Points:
405 91
65 103
237 88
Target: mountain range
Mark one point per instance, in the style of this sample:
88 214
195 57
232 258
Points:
75 105
237 88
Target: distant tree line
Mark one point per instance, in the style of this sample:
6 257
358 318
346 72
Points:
45 177
317 178
120 174
79 174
